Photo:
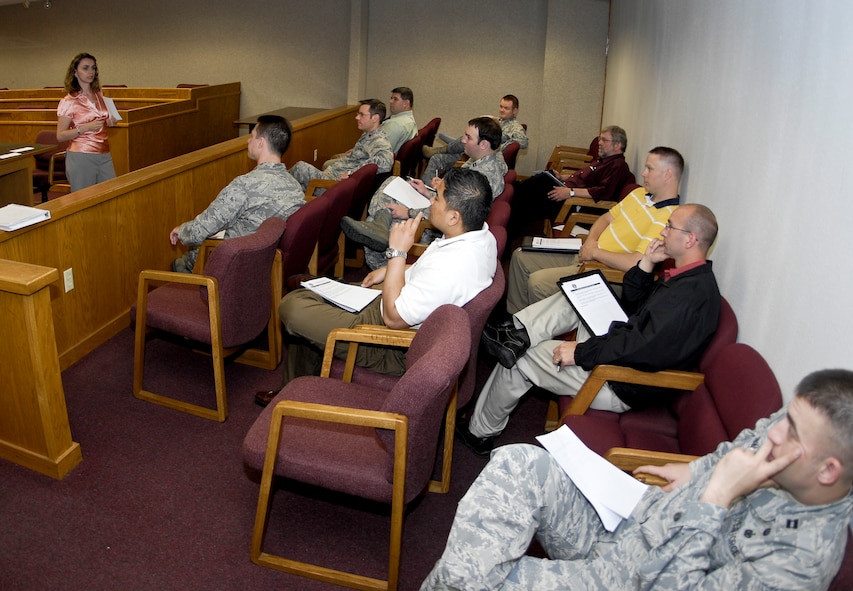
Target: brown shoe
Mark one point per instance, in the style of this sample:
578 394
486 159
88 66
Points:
264 397
430 151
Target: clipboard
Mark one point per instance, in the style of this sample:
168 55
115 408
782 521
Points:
594 301
560 245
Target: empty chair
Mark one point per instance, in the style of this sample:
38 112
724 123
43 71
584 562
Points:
339 197
49 167
299 240
227 308
359 439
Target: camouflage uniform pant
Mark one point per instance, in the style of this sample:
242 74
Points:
521 494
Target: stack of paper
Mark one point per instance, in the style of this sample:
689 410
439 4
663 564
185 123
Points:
552 244
14 216
352 298
612 492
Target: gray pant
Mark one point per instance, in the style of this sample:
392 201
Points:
504 388
521 494
84 170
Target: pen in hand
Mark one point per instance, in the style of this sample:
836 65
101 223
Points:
559 366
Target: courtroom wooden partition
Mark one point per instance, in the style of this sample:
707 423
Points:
108 233
157 123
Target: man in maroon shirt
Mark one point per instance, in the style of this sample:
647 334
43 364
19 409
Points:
540 198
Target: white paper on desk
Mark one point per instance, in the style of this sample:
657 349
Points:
8 155
352 298
594 301
19 150
612 492
111 108
406 194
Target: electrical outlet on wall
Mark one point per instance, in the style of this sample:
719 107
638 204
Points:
68 276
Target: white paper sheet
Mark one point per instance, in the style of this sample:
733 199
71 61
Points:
612 492
406 194
352 298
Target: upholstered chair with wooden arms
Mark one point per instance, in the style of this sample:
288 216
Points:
359 440
726 334
339 197
408 157
478 310
427 134
226 309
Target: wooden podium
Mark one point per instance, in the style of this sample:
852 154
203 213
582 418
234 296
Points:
34 430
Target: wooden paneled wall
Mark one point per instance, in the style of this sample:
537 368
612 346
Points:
108 233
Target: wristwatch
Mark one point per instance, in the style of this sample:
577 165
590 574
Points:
571 192
390 253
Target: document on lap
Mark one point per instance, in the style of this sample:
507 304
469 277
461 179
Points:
594 301
612 493
352 298
541 244
405 193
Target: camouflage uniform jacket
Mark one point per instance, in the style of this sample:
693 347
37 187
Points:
765 540
240 208
371 148
512 131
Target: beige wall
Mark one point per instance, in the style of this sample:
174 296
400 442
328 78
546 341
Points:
458 57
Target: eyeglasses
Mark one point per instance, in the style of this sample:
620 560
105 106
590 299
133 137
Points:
671 227
604 140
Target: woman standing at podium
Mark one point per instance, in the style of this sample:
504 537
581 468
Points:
83 119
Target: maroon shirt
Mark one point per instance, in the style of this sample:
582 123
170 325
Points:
603 178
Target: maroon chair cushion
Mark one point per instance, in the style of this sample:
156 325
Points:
428 132
500 235
499 214
339 199
510 153
726 334
299 238
359 460
242 268
410 156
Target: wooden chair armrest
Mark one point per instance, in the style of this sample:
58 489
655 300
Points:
338 414
204 251
52 165
669 378
172 277
362 333
315 184
628 460
612 275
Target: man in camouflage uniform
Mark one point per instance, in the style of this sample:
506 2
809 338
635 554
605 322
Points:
480 143
769 510
240 208
443 157
372 147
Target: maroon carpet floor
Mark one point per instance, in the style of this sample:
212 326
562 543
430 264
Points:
162 501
